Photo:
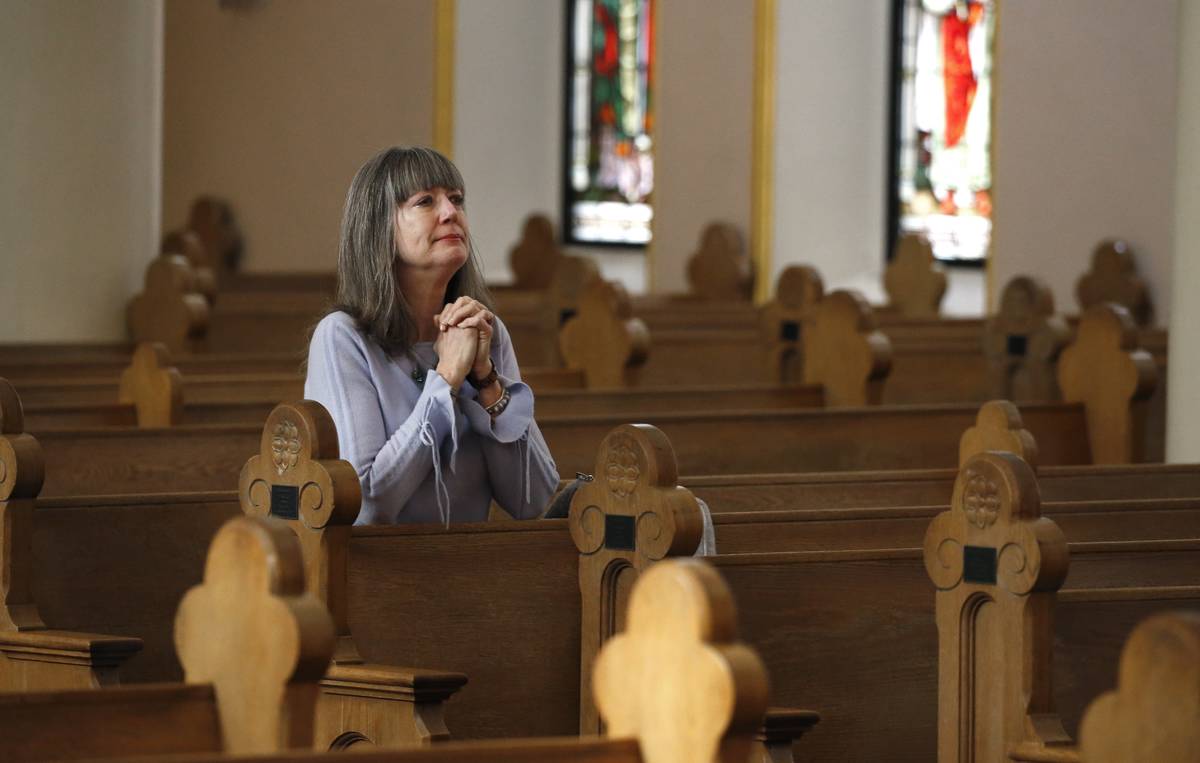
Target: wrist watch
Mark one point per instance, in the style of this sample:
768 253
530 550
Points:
486 381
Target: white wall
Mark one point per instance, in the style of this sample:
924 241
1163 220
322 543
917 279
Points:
1085 138
1183 419
703 130
831 136
80 94
507 119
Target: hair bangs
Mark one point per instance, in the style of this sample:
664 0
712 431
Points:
421 169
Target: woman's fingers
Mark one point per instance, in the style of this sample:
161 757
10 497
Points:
460 310
478 321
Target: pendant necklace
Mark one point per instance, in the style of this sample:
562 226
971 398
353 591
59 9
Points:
419 371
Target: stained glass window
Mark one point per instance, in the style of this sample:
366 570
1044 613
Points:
609 165
943 169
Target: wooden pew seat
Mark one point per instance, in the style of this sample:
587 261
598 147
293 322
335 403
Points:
252 594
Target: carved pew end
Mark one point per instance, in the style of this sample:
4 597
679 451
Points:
914 282
721 268
1106 371
845 353
153 386
1154 713
603 338
300 481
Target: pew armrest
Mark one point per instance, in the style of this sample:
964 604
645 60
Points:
51 660
781 728
383 705
1029 752
393 682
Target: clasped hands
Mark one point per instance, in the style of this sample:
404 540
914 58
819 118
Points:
463 344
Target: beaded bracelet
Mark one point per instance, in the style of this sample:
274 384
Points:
497 408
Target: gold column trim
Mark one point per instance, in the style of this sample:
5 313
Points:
443 76
990 287
655 79
763 148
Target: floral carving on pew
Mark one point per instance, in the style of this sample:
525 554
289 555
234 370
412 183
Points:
994 553
254 594
678 672
1113 277
981 500
1106 370
624 467
622 523
285 446
1154 713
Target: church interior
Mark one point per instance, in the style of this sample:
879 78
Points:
843 333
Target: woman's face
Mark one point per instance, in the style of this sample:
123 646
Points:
431 230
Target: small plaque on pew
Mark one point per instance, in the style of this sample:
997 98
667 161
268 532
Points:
1017 344
620 532
789 331
285 501
979 565
565 315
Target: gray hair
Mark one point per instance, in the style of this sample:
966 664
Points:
367 287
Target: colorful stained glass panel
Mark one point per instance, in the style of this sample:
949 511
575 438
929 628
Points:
944 172
610 172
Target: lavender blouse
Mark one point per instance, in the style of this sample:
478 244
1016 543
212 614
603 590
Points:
422 456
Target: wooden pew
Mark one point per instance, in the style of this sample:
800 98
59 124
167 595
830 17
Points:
96 378
846 362
82 564
197 458
517 581
944 360
205 457
997 426
676 687
846 614
253 645
504 654
875 514
998 563
31 655
1152 713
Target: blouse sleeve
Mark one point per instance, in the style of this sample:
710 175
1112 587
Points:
519 464
388 464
